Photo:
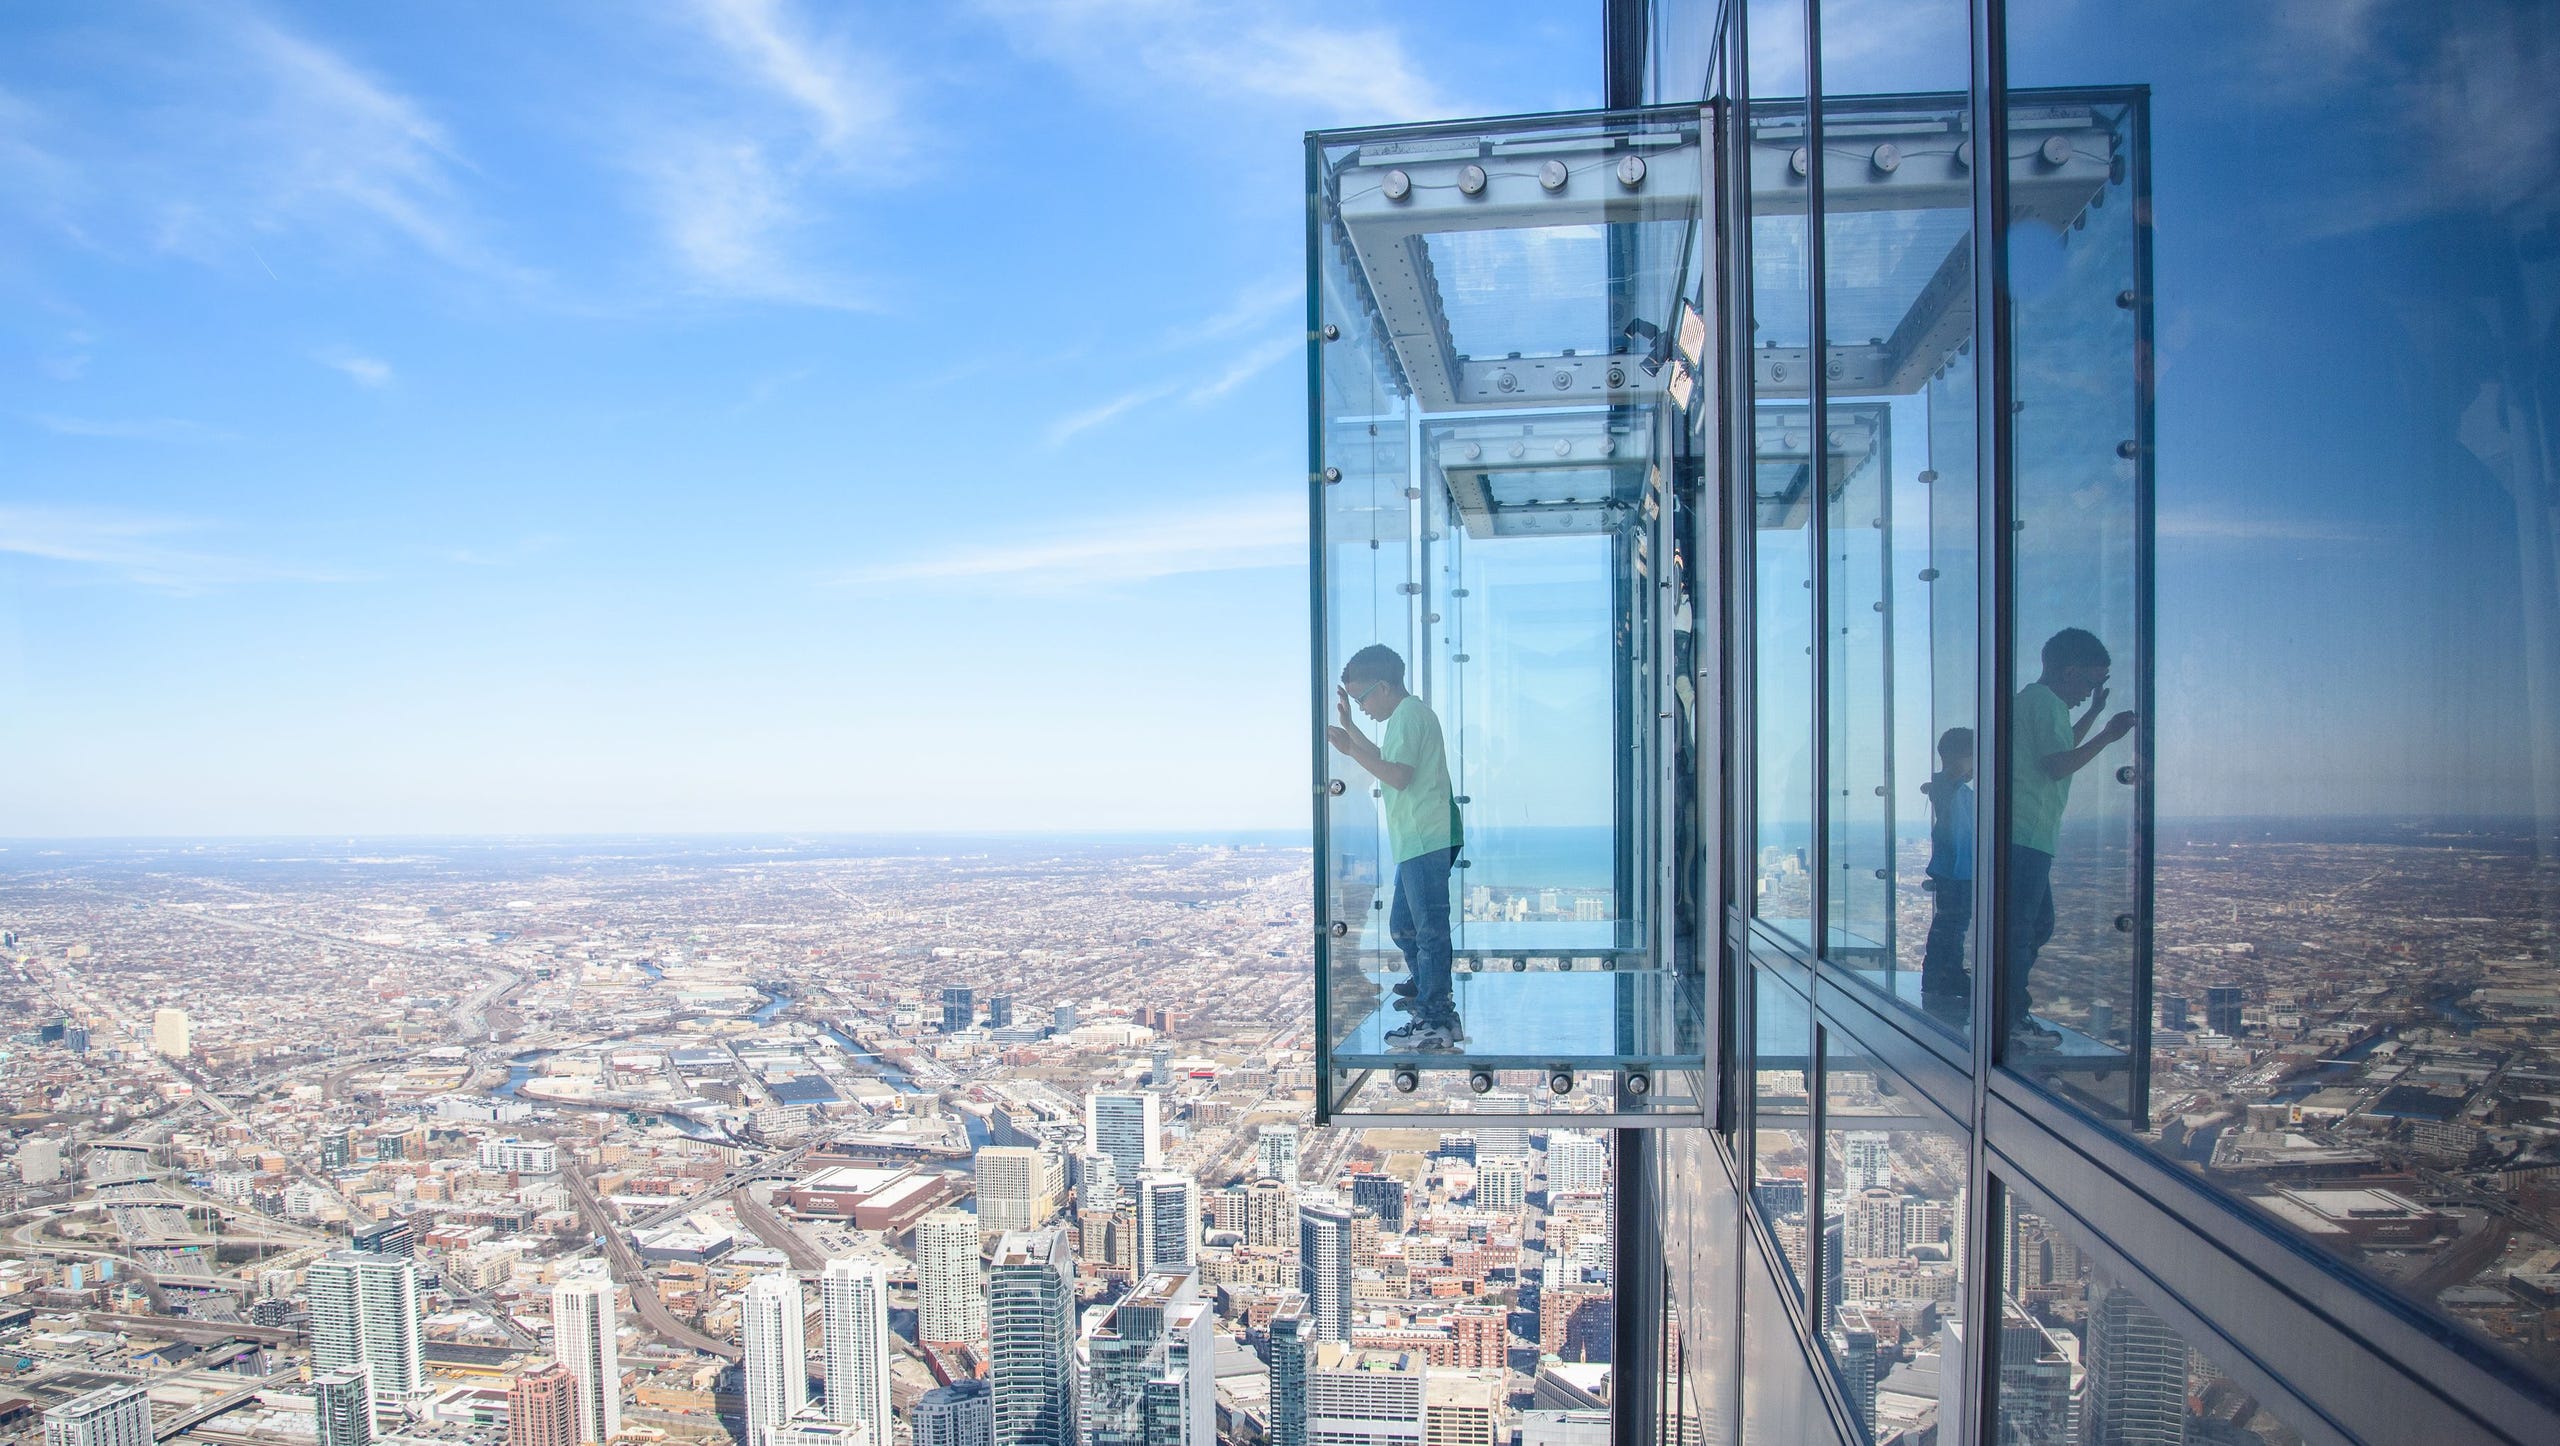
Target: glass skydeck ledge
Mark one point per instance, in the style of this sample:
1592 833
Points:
1510 339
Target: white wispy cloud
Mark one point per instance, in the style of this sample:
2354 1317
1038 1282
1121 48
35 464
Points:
1248 365
1255 305
1229 51
1066 427
735 174
365 371
253 133
131 429
2204 524
141 548
1136 549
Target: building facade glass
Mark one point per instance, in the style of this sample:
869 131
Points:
2120 646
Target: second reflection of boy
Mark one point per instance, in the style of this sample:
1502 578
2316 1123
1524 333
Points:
2048 747
1944 989
1423 832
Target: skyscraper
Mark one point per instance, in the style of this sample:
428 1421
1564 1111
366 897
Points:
364 1316
1866 1161
2222 1005
853 1296
1292 1340
1502 1184
775 1326
342 1409
1365 1398
1853 1344
1031 1340
583 1341
1271 1215
1275 1153
1168 1223
951 1303
1324 1268
1150 1375
1017 1187
1576 1161
1383 1197
2035 1377
2137 1390
171 1035
1000 1011
1097 1182
1512 1140
959 1008
542 1408
117 1415
1463 1408
959 1414
1127 1126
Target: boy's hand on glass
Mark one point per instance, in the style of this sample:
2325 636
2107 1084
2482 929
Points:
2118 726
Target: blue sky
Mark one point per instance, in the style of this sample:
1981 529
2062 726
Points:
714 414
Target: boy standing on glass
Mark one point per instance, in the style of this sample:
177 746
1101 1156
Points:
1944 992
2048 746
1411 765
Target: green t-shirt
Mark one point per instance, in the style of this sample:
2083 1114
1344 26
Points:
2039 727
1422 816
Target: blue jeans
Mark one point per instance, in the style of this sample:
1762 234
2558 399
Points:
1943 982
1419 923
2030 926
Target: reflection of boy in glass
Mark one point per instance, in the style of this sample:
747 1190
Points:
1943 990
2047 747
1423 832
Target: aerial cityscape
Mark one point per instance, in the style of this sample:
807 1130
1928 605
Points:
935 1141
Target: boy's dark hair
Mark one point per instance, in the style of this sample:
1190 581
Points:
1376 662
1955 743
2075 648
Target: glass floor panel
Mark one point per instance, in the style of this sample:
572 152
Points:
1532 1020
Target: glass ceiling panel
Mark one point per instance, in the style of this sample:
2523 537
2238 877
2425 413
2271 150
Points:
1879 261
1544 290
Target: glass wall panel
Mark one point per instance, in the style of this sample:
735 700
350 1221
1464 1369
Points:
1782 1117
1789 474
2081 499
1897 227
1893 1201
2083 1357
2348 971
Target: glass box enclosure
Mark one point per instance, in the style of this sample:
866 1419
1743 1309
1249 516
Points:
1507 344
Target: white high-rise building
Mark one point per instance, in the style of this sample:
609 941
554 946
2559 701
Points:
1511 1140
1129 1127
960 1414
1275 1153
364 1316
775 1328
1150 1376
1576 1161
342 1409
1017 1187
171 1035
853 1296
951 1295
1365 1398
583 1341
1168 1224
1097 1182
1031 1340
1324 1268
118 1415
1502 1184
1866 1161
